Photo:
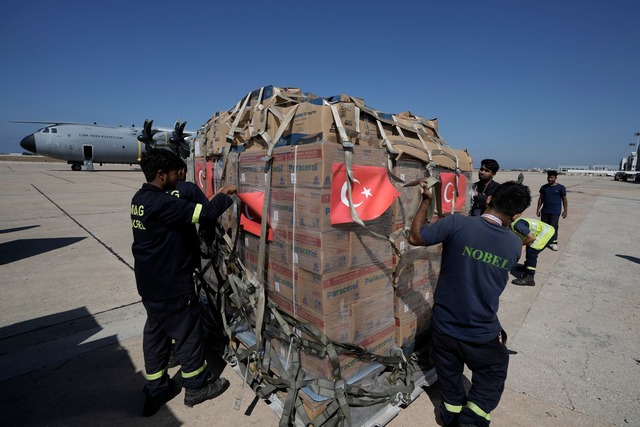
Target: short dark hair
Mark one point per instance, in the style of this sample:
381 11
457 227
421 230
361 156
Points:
490 164
552 173
511 198
158 159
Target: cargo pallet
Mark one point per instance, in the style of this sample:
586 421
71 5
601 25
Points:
376 415
381 392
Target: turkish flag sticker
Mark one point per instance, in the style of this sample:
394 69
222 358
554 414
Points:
448 180
251 213
372 193
203 170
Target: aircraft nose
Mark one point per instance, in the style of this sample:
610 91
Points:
29 143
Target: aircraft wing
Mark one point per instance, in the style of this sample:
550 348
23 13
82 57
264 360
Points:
52 122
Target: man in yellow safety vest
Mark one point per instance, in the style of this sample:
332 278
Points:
536 235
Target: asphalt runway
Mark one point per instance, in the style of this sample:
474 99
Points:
71 319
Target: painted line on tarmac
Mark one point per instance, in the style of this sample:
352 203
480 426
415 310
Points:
108 248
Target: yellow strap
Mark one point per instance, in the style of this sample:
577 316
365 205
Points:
196 372
478 411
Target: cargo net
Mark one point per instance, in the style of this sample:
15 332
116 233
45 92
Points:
322 301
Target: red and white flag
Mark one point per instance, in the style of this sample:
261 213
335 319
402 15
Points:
205 170
448 180
251 213
372 193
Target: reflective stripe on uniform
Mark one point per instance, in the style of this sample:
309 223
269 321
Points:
196 214
478 411
456 409
156 376
196 372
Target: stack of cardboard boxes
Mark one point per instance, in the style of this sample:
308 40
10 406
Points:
346 281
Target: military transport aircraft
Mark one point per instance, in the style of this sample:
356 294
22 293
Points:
82 144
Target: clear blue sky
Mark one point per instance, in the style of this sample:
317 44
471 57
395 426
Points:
530 83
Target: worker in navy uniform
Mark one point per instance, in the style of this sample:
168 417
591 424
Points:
553 203
477 255
484 187
164 277
191 192
536 235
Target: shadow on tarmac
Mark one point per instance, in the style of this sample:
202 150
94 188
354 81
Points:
70 379
629 258
13 230
20 249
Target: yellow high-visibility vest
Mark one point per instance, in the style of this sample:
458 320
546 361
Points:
542 231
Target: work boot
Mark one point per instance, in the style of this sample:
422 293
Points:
153 404
210 390
526 280
553 246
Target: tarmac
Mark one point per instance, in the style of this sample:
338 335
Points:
71 320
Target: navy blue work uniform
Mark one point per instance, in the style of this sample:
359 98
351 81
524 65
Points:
164 260
551 196
191 192
476 259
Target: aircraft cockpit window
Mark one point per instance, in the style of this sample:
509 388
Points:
54 130
45 130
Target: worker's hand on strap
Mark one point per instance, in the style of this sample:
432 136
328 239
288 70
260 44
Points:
425 186
229 189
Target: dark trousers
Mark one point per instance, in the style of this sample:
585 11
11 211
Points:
488 363
551 219
531 260
178 319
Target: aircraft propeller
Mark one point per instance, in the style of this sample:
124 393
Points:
178 142
178 139
146 137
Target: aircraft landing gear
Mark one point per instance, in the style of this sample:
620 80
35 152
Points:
76 168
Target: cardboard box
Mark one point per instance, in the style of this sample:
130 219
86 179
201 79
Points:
408 170
251 169
411 324
281 208
337 326
416 300
216 130
250 260
330 292
232 175
314 122
265 123
406 329
417 267
379 343
311 165
368 249
372 314
281 280
320 252
313 209
279 249
407 120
